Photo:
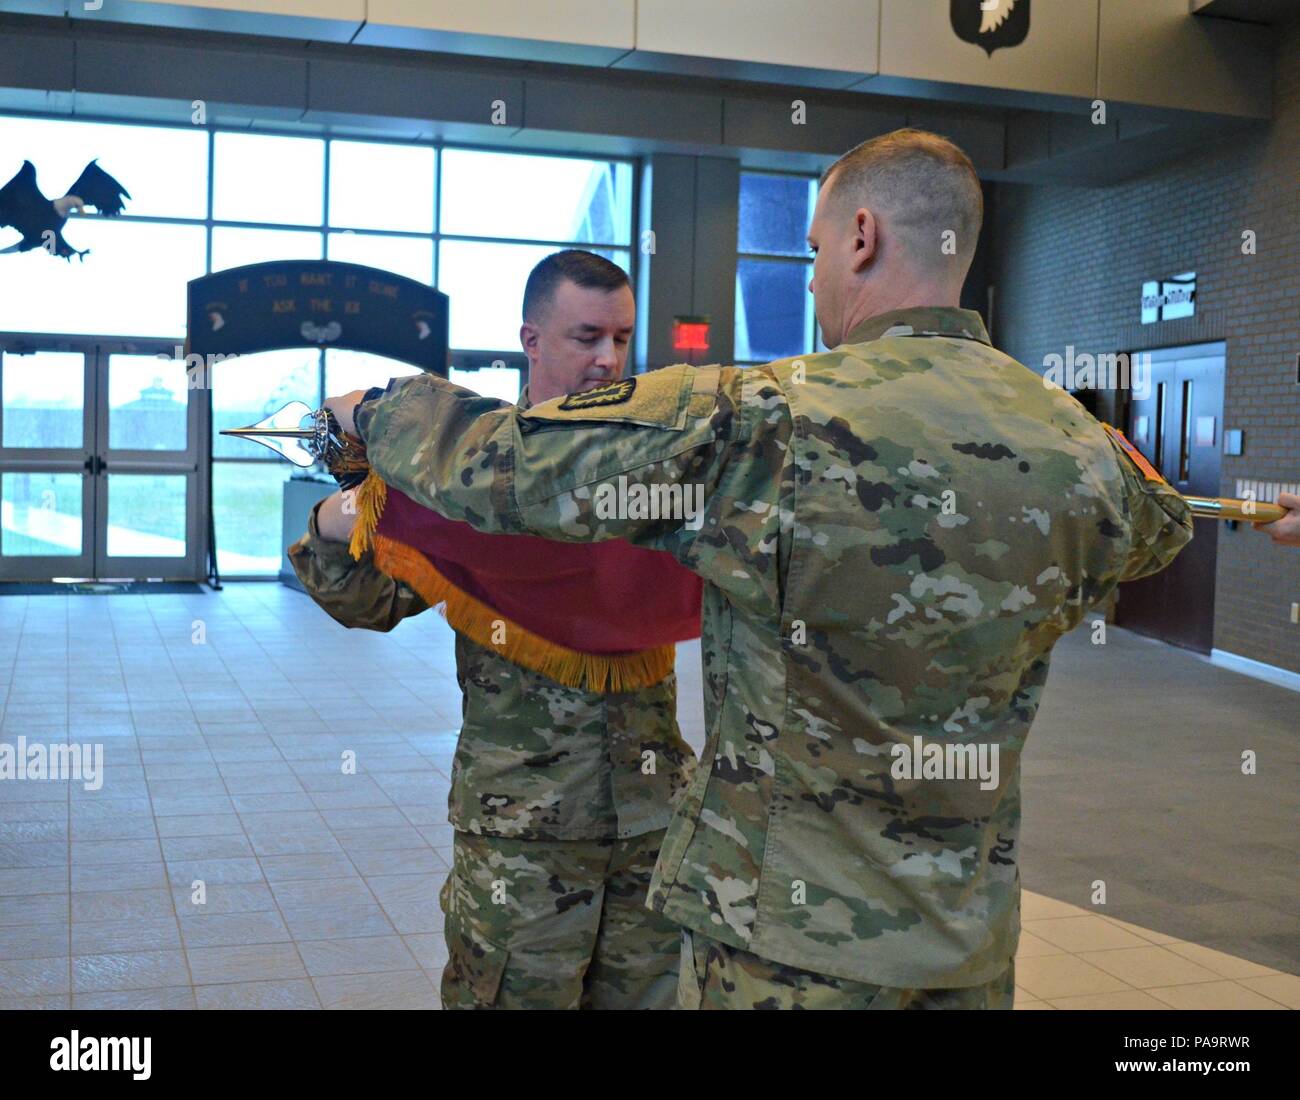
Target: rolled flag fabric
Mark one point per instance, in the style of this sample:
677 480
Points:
601 617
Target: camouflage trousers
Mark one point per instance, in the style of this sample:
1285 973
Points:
556 924
717 975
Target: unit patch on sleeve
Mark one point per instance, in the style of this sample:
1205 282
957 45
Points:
1136 456
612 393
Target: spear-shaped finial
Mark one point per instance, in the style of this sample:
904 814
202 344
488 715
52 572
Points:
305 437
286 433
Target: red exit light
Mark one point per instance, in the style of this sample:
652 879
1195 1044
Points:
690 334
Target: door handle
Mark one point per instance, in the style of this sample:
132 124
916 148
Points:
94 465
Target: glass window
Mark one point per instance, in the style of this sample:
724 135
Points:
262 178
164 169
146 515
346 370
235 247
409 256
133 283
485 283
535 198
40 514
375 186
248 507
252 387
42 399
247 497
148 403
774 314
775 212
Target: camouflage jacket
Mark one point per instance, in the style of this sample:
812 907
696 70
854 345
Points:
535 760
894 535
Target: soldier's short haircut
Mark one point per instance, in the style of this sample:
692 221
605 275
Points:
924 185
573 265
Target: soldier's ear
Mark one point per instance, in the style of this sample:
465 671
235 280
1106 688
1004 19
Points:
528 337
865 241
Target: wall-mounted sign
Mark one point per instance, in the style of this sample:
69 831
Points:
990 24
1169 299
318 303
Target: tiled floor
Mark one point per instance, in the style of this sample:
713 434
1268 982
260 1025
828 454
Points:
1072 958
230 860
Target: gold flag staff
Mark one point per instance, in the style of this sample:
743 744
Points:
1230 508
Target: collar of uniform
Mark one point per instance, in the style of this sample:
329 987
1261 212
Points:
524 401
921 321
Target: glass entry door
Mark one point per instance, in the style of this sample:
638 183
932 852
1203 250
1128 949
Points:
99 462
47 429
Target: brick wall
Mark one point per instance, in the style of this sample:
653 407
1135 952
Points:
1068 265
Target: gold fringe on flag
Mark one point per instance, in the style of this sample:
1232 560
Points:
481 624
369 499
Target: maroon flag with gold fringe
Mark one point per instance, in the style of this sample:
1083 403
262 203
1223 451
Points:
597 616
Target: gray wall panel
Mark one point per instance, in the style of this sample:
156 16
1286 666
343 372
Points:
669 271
31 60
693 205
186 73
617 109
829 129
717 204
1076 133
984 139
351 89
1029 139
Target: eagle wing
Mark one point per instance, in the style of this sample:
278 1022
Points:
97 188
992 18
21 203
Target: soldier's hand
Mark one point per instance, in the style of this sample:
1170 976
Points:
1285 531
342 408
336 516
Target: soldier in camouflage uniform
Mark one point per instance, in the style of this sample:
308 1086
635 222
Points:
559 797
896 533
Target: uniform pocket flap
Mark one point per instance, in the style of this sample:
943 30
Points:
479 963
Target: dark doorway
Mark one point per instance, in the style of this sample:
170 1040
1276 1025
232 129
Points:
1177 422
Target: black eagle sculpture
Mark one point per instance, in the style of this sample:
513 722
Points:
41 221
